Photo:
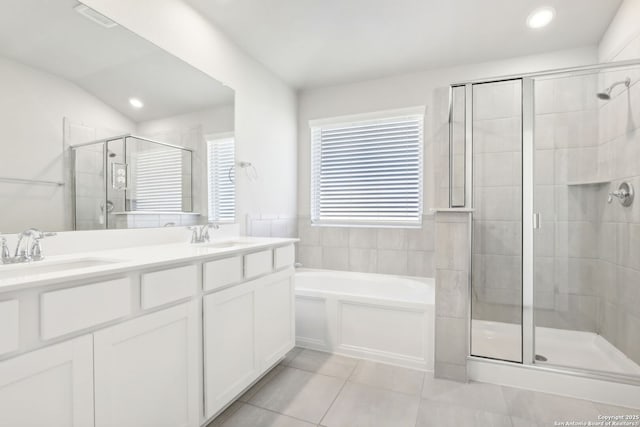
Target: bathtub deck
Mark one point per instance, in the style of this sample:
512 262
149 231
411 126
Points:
310 388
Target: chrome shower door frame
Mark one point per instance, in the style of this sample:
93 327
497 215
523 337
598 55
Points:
530 218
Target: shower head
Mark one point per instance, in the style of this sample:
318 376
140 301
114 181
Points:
606 94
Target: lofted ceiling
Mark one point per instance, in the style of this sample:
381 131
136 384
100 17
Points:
320 42
112 64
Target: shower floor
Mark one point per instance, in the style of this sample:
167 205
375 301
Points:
562 347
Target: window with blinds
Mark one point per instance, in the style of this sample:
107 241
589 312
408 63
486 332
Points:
368 172
221 178
158 180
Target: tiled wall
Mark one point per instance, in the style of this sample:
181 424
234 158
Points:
497 189
452 296
566 247
271 226
398 251
138 220
565 262
619 234
90 181
89 188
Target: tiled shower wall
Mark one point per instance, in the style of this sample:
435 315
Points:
497 183
90 168
619 235
566 259
566 246
407 252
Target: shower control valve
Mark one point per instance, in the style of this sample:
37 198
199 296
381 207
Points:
624 193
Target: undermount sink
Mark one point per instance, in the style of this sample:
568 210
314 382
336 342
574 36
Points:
10 271
229 244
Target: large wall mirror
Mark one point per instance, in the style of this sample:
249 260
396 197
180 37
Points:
100 129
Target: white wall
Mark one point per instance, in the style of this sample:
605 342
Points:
265 125
408 90
32 107
214 120
621 41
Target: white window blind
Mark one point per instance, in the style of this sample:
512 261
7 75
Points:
158 180
368 172
221 173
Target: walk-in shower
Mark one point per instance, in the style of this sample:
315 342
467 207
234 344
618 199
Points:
129 181
555 268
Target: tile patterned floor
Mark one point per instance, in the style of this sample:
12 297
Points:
310 388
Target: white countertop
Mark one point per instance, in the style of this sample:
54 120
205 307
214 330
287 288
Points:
132 258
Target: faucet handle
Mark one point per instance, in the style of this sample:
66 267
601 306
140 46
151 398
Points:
4 250
194 233
206 228
36 246
36 249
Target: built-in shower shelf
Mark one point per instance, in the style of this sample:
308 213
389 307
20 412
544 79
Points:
594 182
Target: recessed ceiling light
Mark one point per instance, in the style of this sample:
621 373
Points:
541 17
136 103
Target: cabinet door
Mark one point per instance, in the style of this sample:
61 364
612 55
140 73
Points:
229 351
146 371
275 334
49 387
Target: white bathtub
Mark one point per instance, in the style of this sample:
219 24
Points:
378 317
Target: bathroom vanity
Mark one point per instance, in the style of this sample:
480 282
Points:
165 335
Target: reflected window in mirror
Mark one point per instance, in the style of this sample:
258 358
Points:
221 178
161 179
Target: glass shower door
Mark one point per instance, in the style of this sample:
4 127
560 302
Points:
496 299
586 281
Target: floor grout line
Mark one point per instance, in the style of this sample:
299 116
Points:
258 386
278 413
424 379
333 402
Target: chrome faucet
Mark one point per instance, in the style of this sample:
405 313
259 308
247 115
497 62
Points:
6 254
28 248
624 193
200 233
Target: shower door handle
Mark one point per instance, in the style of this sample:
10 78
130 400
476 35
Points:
536 221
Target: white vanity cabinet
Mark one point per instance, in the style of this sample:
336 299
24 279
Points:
247 329
275 319
49 387
163 344
230 362
146 370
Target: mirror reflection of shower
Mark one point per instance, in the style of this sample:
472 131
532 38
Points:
605 95
130 181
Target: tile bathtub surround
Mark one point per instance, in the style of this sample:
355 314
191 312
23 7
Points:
379 395
452 294
399 251
271 226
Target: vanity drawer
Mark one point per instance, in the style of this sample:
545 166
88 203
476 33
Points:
165 286
73 309
284 257
222 272
258 263
9 326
